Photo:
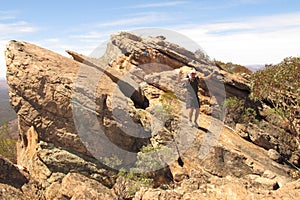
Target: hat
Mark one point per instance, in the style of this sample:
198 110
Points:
193 71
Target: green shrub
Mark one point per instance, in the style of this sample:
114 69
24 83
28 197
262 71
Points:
130 182
144 173
112 161
7 144
279 85
170 103
238 112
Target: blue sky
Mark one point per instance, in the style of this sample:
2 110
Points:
245 32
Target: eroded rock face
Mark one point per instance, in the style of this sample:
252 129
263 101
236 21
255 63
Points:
41 83
77 186
8 192
82 119
219 188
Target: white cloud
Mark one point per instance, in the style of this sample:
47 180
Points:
9 30
137 19
60 46
161 4
89 35
6 17
257 24
276 21
259 40
96 37
7 14
251 1
10 26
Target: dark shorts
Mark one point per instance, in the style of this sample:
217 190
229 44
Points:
192 101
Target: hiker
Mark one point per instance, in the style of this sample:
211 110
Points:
191 83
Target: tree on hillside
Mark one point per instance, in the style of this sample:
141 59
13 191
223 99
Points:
280 85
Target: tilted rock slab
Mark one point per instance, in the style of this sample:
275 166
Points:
75 113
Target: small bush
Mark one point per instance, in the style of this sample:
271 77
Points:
238 112
170 103
132 181
7 144
112 161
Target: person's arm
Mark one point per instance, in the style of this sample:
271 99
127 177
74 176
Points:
209 76
181 79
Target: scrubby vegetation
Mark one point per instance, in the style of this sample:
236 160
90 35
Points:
168 110
279 86
170 102
239 111
7 144
139 176
147 172
272 108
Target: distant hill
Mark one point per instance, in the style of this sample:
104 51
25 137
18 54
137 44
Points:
233 68
255 68
3 84
6 112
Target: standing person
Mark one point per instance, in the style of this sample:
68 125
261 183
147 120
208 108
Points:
192 82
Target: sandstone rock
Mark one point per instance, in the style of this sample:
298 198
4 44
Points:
83 119
241 130
274 155
11 174
268 174
295 158
261 138
288 191
157 194
77 186
261 182
211 188
33 190
43 100
8 192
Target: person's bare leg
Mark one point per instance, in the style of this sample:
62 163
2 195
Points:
191 110
196 116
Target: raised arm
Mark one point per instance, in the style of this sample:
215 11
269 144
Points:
208 76
180 78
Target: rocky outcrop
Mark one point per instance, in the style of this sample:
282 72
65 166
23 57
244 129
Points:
84 120
219 188
11 174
